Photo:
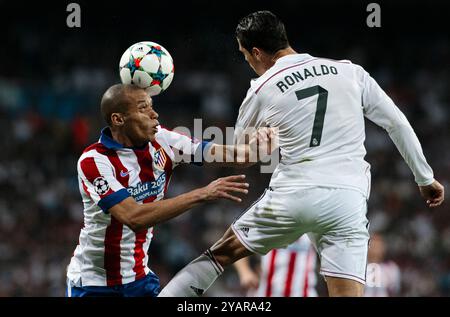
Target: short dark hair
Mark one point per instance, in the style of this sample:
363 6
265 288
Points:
264 30
116 99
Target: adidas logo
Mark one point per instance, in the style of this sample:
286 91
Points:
197 291
245 231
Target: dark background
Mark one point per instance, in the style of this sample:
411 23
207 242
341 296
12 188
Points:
52 78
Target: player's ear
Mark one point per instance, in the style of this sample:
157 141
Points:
117 119
256 53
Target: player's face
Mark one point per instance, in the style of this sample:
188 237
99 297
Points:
141 120
251 60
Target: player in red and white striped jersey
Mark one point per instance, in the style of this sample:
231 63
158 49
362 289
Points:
122 179
284 272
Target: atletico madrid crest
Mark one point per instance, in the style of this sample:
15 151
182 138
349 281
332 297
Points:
160 159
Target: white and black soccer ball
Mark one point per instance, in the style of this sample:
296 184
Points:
101 186
147 65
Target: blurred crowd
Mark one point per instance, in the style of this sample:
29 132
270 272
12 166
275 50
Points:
49 111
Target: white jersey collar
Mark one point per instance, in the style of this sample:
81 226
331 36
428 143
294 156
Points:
292 58
280 63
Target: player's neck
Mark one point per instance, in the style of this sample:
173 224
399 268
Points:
268 61
121 138
286 51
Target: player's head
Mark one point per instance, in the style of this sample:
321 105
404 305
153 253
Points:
377 248
260 36
128 111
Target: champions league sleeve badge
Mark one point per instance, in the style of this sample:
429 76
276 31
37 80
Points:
101 186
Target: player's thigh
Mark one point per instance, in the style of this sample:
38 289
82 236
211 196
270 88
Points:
342 237
269 223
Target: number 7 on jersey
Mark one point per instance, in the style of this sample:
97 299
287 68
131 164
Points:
320 110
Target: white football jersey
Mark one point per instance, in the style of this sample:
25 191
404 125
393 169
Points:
318 106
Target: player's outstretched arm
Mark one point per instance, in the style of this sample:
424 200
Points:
261 144
433 194
381 110
141 216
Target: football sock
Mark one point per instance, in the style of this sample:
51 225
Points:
195 278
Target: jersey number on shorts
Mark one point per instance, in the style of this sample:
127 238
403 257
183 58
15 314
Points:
320 111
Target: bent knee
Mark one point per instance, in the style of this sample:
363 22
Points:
229 249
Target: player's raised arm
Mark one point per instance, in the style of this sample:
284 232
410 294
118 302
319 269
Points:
140 216
379 108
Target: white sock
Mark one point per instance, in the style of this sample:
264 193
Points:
195 278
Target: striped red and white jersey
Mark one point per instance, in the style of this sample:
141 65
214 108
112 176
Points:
289 272
110 253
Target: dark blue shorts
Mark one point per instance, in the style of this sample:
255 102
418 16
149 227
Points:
147 286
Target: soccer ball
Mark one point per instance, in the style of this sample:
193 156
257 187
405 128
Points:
147 65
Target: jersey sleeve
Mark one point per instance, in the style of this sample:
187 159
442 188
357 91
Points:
379 108
99 183
186 149
249 118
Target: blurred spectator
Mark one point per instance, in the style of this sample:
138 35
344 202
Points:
383 276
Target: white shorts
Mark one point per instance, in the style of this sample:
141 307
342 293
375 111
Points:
334 218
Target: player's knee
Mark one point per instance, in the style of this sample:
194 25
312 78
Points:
229 249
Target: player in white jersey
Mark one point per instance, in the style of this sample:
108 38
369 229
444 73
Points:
284 272
122 179
322 183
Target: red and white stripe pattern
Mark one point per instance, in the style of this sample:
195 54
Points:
289 272
109 253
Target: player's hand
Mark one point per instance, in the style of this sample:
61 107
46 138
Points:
263 141
433 193
226 187
249 280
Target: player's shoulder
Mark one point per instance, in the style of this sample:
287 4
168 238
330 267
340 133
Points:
180 139
349 68
288 62
282 64
339 61
165 134
96 150
349 64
